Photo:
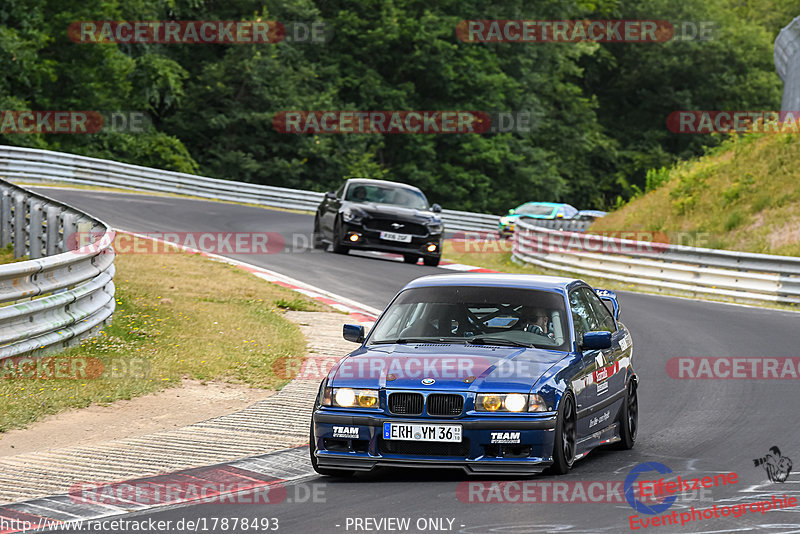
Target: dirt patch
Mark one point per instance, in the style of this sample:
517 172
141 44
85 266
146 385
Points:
192 402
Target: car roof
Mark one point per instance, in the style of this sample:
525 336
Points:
381 182
521 281
550 204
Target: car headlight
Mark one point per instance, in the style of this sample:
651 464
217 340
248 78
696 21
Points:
435 227
350 398
509 402
351 216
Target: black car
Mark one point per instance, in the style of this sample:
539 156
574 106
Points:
379 215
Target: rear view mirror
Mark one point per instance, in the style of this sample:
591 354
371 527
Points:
330 195
596 340
353 332
436 208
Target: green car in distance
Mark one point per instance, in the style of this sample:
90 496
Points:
534 210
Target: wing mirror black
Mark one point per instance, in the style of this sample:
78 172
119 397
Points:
436 208
596 340
330 195
354 333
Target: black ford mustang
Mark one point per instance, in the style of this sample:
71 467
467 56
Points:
380 215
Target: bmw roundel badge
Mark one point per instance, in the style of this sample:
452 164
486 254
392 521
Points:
428 381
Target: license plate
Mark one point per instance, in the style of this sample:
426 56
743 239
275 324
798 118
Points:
391 236
414 432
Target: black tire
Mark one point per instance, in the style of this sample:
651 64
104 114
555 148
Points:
431 261
566 438
338 248
312 447
316 237
410 258
629 418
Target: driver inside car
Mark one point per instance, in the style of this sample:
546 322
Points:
535 320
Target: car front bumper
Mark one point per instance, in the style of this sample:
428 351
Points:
371 240
365 449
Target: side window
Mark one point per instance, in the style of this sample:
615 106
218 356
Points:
604 319
582 314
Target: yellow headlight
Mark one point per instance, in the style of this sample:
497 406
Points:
492 403
367 401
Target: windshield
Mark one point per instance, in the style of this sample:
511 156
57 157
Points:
469 314
387 194
535 209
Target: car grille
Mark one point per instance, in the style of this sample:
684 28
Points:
406 403
385 225
448 405
423 448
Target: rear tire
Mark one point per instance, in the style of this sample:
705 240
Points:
410 258
316 237
629 418
338 248
431 262
566 437
312 447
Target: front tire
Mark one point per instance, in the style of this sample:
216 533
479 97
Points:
338 248
566 437
431 262
410 258
312 448
629 418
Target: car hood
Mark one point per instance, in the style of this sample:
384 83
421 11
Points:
388 211
452 367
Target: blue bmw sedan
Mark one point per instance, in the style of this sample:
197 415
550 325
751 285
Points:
489 373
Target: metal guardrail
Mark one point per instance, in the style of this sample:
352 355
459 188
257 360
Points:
47 166
662 267
65 292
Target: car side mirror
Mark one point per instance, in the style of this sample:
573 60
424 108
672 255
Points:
596 340
330 195
436 208
355 333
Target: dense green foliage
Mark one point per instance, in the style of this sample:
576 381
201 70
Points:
600 109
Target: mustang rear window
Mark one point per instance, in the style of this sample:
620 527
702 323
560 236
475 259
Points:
456 314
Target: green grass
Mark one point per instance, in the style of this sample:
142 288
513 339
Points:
178 316
743 195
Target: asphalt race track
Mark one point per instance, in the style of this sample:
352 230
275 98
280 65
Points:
695 427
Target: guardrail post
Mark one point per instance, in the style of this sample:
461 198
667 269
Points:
69 239
5 217
52 241
20 224
36 229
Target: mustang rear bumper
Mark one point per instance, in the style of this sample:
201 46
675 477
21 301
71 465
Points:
490 445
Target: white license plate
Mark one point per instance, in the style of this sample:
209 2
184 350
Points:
416 432
391 236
